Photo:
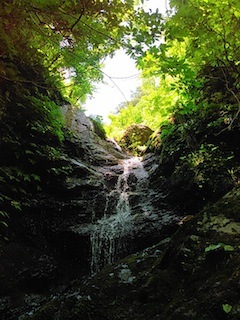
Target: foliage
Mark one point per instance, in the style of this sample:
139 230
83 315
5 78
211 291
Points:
151 105
208 162
198 154
214 247
143 31
31 134
227 308
98 126
71 37
195 66
14 192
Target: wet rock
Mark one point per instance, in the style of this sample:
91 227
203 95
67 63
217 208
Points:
44 251
190 276
53 236
137 220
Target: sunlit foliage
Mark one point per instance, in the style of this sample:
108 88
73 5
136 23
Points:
71 37
195 66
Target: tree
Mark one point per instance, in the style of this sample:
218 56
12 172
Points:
196 65
70 37
151 105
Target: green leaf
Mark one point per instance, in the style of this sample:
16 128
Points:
227 308
16 204
4 214
213 247
228 247
237 14
4 224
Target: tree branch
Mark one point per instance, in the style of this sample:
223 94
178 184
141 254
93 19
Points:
25 81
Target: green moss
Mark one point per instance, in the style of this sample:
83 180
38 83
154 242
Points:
98 126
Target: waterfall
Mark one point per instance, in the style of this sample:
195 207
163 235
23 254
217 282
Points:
107 234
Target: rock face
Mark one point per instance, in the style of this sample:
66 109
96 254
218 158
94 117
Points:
135 216
100 210
135 138
52 240
89 145
193 275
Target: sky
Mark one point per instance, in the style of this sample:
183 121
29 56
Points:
121 68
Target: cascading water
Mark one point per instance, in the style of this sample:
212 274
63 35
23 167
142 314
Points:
135 216
107 235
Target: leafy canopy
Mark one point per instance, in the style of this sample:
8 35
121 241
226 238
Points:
195 65
71 37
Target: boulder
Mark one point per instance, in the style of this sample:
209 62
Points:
135 138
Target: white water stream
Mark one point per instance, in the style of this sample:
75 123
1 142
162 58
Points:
107 235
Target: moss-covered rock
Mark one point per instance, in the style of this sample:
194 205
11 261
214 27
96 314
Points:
198 156
135 138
